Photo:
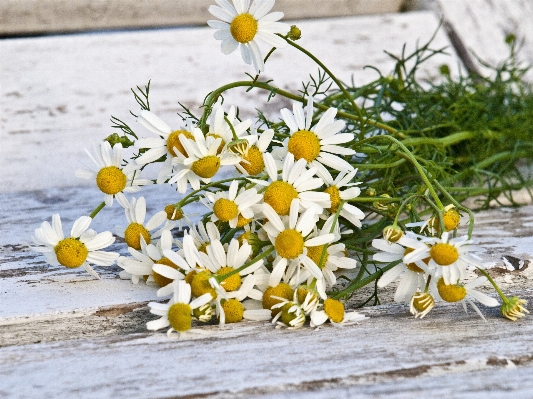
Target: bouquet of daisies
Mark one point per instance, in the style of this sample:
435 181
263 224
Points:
287 234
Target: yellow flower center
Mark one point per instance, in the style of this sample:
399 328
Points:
451 292
254 161
444 254
412 266
173 141
393 233
132 235
304 144
282 290
111 180
71 253
233 310
314 253
514 308
179 316
206 167
423 302
451 219
334 309
334 197
289 244
173 213
230 283
243 28
225 210
222 142
162 280
279 195
286 316
200 285
242 221
189 276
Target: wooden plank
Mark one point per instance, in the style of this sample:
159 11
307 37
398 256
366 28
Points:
38 16
58 93
481 26
447 354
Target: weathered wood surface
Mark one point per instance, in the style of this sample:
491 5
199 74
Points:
481 26
58 93
37 16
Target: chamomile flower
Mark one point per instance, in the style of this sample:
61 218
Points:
219 128
413 275
203 235
142 264
317 144
233 208
111 178
290 315
421 304
135 215
289 239
79 249
252 163
333 311
333 187
296 183
447 257
466 293
241 26
202 161
168 144
178 312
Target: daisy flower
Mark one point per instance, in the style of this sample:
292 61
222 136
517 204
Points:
351 213
333 311
142 263
219 128
447 257
177 313
466 293
168 144
252 162
112 179
413 275
202 161
233 208
296 183
290 315
421 304
289 239
203 235
241 26
137 229
317 144
79 249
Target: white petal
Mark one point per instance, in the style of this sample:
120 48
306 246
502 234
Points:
80 226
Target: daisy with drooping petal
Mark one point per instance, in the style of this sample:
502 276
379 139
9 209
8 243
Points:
178 312
252 162
202 161
317 144
142 263
79 249
289 239
113 179
466 293
421 304
219 128
241 26
333 311
448 257
233 208
344 179
296 183
136 214
167 144
290 315
414 274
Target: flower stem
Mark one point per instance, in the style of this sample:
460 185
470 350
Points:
97 209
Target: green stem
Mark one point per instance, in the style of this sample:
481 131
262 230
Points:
231 127
96 210
500 293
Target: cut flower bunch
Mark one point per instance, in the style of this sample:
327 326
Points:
348 187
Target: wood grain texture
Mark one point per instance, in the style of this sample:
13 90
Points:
481 27
18 17
58 93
